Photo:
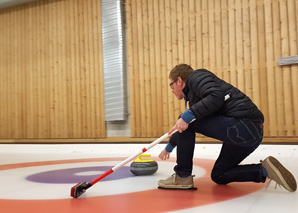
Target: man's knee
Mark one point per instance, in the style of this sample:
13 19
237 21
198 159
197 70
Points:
217 177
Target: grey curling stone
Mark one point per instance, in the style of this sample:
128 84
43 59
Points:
143 167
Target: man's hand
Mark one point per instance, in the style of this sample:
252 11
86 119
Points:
180 125
164 155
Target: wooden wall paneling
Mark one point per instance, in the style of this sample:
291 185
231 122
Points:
40 78
89 80
23 74
218 39
30 78
62 71
146 72
69 12
182 46
142 103
86 71
82 68
139 96
164 11
192 33
130 59
198 33
19 85
205 34
13 85
225 40
59 76
170 35
55 63
42 120
36 76
10 79
239 46
271 120
52 68
247 69
98 71
2 75
18 133
76 73
232 45
156 57
6 80
152 80
295 67
132 56
254 53
262 87
99 87
173 105
211 28
293 39
92 88
43 104
78 58
98 84
21 57
280 128
51 71
238 40
180 42
184 49
50 76
6 105
152 77
89 66
72 94
286 71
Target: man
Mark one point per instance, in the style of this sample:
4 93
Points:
221 111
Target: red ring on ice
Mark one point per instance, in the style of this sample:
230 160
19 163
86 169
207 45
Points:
155 200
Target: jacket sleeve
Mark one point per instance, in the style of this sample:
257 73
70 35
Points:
210 96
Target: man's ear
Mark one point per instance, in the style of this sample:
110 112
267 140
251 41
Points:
179 80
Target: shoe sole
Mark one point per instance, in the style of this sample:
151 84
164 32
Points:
176 186
287 179
192 188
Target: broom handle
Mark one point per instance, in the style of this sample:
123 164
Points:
118 166
157 141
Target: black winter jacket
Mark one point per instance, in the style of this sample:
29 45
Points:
205 93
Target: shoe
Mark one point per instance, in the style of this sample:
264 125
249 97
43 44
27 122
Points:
176 182
277 172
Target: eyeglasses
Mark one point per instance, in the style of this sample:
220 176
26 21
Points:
171 84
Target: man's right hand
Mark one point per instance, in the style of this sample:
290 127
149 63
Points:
164 155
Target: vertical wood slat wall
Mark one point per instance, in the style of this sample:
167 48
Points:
51 63
239 40
51 83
